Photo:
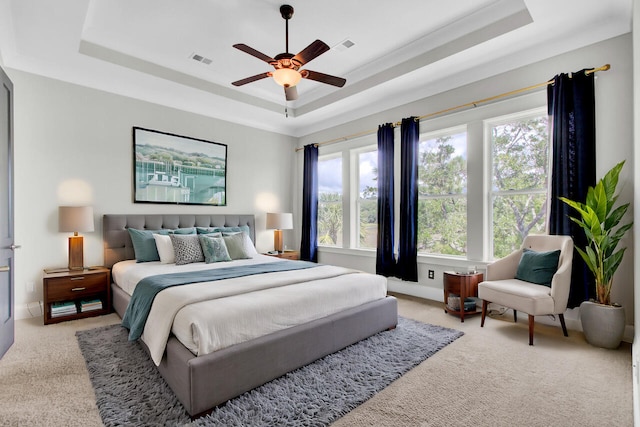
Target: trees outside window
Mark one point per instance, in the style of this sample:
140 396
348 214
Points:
330 215
520 171
509 184
367 198
442 192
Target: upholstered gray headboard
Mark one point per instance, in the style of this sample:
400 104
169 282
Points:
117 242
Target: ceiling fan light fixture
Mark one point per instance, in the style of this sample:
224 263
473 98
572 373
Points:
286 77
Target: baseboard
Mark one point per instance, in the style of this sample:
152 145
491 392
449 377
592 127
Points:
29 310
415 290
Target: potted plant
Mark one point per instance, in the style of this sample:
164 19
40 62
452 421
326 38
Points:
602 322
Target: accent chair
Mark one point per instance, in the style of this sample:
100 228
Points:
533 262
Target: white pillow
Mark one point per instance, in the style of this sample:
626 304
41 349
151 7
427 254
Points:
239 245
165 249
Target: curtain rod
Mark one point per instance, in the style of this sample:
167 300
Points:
605 67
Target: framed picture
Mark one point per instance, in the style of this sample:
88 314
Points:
174 169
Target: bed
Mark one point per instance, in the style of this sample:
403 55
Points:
204 381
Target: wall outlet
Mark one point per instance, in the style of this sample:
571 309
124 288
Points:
431 274
31 287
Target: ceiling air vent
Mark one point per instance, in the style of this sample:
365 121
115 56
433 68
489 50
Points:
344 45
200 58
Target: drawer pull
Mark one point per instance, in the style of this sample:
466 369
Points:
77 278
4 268
77 289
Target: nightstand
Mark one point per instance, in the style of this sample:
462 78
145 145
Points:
295 255
76 294
464 285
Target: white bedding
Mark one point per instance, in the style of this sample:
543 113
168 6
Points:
208 317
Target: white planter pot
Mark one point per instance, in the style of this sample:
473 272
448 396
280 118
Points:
603 325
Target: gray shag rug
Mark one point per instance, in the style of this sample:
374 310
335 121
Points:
130 391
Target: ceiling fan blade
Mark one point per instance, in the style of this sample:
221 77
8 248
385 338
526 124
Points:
310 52
323 78
251 51
291 93
251 79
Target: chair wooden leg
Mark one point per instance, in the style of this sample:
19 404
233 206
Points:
515 316
484 312
564 326
531 329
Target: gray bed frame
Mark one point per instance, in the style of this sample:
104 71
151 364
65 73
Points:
201 383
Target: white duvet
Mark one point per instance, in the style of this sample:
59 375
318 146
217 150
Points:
210 316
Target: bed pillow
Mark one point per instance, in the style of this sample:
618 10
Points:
213 248
538 267
186 248
188 230
207 230
215 232
239 245
144 245
242 228
165 248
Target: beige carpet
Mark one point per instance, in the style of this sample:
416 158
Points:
489 377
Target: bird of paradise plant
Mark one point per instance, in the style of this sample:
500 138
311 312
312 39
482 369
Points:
600 222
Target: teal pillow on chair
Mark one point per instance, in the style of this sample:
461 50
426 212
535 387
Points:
538 267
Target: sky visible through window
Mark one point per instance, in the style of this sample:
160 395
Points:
330 175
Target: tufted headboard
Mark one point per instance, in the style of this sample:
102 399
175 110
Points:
117 242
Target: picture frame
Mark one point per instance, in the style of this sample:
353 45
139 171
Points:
178 170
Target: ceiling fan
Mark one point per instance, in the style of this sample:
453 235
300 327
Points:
287 66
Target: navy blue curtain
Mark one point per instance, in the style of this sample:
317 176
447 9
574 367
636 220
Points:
407 267
309 244
385 260
571 104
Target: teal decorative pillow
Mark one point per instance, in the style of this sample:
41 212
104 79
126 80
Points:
208 230
213 248
186 248
538 267
144 245
189 230
242 228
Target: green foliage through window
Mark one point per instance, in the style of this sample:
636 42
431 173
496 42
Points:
442 188
330 215
520 150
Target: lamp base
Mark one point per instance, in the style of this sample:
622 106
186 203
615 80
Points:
277 240
76 253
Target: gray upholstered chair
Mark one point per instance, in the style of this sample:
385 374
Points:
502 288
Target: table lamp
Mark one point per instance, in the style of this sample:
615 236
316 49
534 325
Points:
75 219
279 222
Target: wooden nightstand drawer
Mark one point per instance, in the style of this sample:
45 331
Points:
72 295
63 288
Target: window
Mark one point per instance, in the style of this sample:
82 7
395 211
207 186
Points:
519 182
367 198
330 201
442 190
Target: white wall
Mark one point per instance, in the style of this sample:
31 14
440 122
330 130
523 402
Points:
73 145
636 230
614 136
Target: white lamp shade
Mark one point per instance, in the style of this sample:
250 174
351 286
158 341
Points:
286 77
75 218
279 221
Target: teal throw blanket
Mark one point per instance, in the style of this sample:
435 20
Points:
146 290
